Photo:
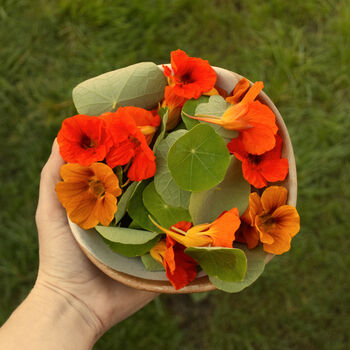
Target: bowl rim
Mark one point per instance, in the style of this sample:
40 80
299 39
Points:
203 284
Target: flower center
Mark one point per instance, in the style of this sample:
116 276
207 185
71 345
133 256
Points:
86 142
96 187
267 222
187 78
254 159
134 141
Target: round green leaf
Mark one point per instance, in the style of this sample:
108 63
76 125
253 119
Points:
166 215
140 85
132 250
199 159
226 264
125 235
232 192
165 185
255 267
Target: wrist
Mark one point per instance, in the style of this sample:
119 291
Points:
50 318
66 314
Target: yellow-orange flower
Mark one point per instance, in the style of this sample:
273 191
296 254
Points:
219 233
88 193
268 219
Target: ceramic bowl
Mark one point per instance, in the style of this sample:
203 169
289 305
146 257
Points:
130 271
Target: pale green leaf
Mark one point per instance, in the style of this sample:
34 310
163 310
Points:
125 235
165 185
227 264
163 112
255 267
166 215
123 201
232 192
140 85
189 108
132 250
216 107
199 159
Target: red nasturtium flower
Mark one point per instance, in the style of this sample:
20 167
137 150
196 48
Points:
84 140
255 122
88 193
259 170
146 121
269 220
180 268
190 76
219 233
130 145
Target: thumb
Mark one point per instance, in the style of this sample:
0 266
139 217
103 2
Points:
49 208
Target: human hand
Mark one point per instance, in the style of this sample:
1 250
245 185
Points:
64 268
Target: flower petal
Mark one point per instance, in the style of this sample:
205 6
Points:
252 173
238 92
222 230
280 245
253 92
274 170
287 219
158 251
143 166
254 208
120 154
273 197
236 147
276 152
180 268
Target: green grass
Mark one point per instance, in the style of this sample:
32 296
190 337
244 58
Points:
299 49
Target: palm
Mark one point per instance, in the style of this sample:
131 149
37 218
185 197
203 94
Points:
64 266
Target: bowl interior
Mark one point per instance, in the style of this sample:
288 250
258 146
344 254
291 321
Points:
131 271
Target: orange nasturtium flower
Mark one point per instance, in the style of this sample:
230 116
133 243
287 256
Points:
269 220
88 193
174 104
180 268
219 233
258 170
255 122
130 145
239 91
190 76
83 139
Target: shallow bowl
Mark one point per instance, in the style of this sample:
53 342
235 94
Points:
130 271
